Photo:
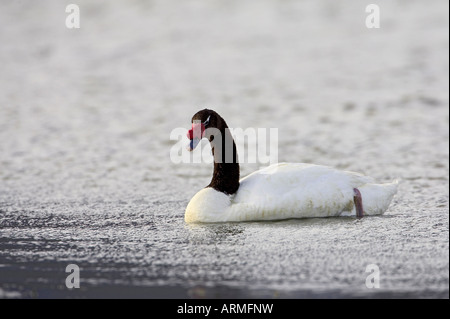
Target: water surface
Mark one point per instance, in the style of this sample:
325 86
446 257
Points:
86 115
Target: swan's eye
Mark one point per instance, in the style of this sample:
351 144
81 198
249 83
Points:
207 121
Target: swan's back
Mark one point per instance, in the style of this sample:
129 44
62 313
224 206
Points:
294 190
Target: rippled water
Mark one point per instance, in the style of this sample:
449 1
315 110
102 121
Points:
86 115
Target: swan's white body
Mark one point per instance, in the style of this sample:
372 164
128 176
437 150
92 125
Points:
286 190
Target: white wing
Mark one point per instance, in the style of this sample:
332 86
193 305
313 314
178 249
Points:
293 190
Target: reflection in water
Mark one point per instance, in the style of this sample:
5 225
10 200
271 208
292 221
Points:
215 233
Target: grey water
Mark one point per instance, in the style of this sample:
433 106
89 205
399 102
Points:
86 176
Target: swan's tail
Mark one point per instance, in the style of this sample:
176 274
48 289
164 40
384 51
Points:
377 197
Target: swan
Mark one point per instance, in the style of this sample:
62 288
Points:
279 191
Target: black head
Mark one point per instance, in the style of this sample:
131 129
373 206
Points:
209 118
205 123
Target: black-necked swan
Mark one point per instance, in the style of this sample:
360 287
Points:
279 191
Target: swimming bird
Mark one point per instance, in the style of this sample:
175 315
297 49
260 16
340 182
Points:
279 191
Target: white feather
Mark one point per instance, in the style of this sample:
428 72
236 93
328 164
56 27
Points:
287 190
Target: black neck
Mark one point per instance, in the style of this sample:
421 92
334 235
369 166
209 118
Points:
226 167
